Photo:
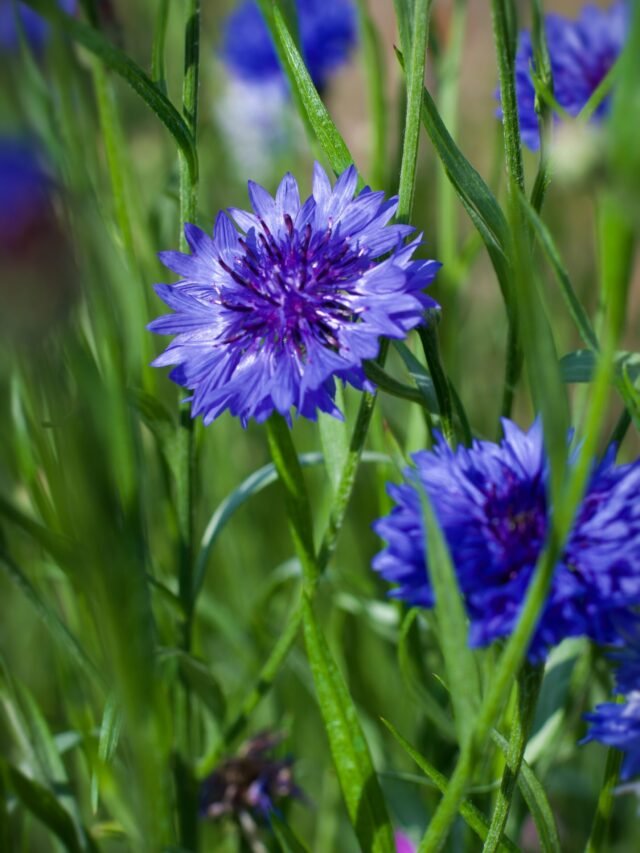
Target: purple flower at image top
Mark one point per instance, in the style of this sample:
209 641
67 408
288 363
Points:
327 36
582 52
491 501
252 783
14 15
617 724
279 302
26 190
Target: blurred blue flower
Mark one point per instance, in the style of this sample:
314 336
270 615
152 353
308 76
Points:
251 783
34 26
26 190
617 724
265 320
491 502
327 35
582 51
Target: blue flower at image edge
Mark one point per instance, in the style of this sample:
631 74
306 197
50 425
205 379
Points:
617 724
582 52
278 303
26 191
34 26
327 35
491 502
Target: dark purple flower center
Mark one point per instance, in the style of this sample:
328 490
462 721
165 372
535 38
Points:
293 286
516 516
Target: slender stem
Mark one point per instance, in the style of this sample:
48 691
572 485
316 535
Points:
189 181
529 683
429 339
415 85
158 70
502 22
597 842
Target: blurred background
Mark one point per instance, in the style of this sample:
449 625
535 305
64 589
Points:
92 634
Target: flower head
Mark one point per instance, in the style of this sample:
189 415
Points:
327 35
34 27
266 319
26 191
617 724
252 782
491 501
582 52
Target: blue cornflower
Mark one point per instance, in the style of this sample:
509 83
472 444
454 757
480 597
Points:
252 783
617 724
34 26
266 319
581 52
327 35
26 191
491 501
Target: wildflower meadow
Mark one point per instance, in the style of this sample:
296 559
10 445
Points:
319 413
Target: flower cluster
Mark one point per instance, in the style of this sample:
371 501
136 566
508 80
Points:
491 501
327 35
581 53
617 724
270 312
252 782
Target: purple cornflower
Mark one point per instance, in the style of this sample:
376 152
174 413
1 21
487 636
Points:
266 319
35 28
582 52
327 35
491 501
251 784
617 724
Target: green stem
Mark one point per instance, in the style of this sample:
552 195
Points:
529 683
415 85
189 180
597 842
429 339
158 70
502 23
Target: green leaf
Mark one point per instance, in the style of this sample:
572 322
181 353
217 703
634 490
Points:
107 743
419 374
360 788
536 800
580 366
43 804
577 311
472 816
334 438
321 122
451 617
123 65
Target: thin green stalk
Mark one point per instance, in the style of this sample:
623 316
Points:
597 842
158 70
502 24
529 683
189 180
415 85
374 67
544 72
429 339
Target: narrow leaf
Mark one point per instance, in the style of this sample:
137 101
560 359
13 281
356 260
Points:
472 816
451 617
363 797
